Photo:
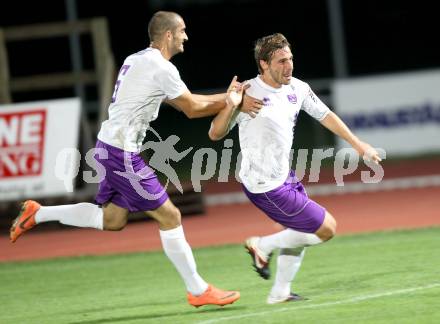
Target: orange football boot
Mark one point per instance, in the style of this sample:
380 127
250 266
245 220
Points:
213 296
25 219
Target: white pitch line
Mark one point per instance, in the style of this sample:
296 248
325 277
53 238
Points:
338 302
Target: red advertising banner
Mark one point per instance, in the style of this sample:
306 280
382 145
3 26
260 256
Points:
22 143
33 136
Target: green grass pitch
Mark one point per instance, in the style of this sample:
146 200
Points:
386 277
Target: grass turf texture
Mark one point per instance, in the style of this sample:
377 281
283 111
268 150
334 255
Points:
381 277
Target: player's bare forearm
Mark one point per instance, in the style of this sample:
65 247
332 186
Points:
193 107
205 109
338 127
210 98
220 125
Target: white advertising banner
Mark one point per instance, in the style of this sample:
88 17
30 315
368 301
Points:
31 136
399 113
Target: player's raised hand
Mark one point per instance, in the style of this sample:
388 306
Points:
234 85
234 94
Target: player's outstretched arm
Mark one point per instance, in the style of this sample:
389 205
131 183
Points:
210 98
193 107
338 127
196 106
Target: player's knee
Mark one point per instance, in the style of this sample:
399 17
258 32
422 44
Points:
330 231
168 218
328 228
326 233
114 222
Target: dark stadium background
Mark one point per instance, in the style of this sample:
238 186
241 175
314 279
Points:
381 37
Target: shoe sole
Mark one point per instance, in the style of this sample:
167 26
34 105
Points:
16 223
291 298
12 235
263 272
221 305
229 303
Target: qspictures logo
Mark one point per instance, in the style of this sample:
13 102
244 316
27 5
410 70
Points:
22 143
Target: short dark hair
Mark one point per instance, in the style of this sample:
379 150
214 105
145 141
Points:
267 45
161 22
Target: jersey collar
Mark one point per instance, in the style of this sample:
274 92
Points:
264 85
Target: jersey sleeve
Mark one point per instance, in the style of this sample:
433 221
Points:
314 106
171 83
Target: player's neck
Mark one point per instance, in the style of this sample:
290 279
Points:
163 50
269 81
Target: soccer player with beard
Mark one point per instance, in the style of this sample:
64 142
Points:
267 180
